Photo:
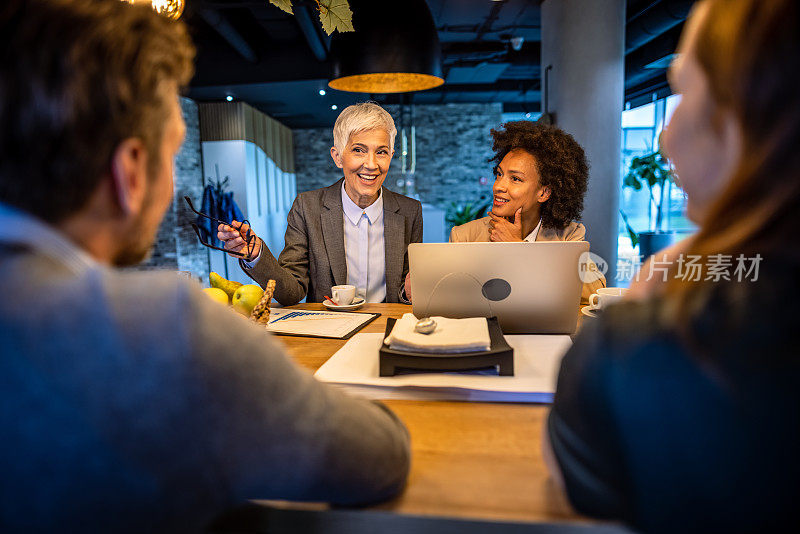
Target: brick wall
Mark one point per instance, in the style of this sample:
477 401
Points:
452 142
176 246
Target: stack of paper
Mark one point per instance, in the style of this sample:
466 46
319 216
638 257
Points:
536 362
314 323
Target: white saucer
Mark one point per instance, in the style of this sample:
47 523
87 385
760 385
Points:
356 304
589 312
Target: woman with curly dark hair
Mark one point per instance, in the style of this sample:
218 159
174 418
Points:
540 182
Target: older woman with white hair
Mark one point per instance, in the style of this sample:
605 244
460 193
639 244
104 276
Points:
353 232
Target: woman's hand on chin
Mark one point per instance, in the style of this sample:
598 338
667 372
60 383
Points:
501 230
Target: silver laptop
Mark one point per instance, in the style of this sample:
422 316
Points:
532 288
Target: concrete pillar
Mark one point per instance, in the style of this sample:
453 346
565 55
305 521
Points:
583 41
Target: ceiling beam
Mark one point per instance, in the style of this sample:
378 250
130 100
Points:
494 14
229 33
653 21
310 31
477 52
635 62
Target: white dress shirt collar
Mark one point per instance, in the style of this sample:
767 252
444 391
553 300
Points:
532 236
353 211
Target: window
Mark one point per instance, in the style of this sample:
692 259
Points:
641 127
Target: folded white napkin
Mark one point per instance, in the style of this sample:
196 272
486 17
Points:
450 336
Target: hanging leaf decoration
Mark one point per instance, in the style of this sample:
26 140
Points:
335 15
283 5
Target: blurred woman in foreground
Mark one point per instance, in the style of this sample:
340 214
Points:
680 411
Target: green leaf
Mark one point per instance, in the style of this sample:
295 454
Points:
632 181
457 215
631 233
283 5
335 15
634 237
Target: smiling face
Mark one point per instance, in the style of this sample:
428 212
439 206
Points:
702 139
365 161
517 185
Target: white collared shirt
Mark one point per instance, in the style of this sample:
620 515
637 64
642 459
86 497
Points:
532 236
365 248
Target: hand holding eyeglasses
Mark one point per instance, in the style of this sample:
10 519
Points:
234 236
248 246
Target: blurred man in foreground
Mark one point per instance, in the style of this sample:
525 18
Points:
130 402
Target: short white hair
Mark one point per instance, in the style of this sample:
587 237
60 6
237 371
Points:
360 118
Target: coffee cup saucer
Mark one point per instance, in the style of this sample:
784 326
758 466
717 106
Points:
589 312
357 303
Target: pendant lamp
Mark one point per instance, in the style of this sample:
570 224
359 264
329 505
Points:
172 9
394 49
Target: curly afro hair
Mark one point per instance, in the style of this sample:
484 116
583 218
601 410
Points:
560 161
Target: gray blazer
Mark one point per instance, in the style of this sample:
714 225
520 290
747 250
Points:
313 259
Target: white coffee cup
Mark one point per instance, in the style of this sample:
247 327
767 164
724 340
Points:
606 296
343 295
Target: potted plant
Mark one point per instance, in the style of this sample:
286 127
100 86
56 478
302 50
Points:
460 214
650 170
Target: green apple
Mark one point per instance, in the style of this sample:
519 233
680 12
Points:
217 294
246 297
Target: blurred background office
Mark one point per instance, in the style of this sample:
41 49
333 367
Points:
269 85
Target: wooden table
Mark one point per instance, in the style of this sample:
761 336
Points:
469 460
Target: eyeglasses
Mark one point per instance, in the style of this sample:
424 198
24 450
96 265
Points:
249 237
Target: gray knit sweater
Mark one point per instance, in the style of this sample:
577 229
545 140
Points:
130 402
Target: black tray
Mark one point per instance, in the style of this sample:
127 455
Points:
500 355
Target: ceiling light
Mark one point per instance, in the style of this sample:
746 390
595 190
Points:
169 8
392 50
334 107
229 98
322 92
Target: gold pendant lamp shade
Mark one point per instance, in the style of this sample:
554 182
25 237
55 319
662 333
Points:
172 9
394 49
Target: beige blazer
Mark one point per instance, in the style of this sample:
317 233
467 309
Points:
478 230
